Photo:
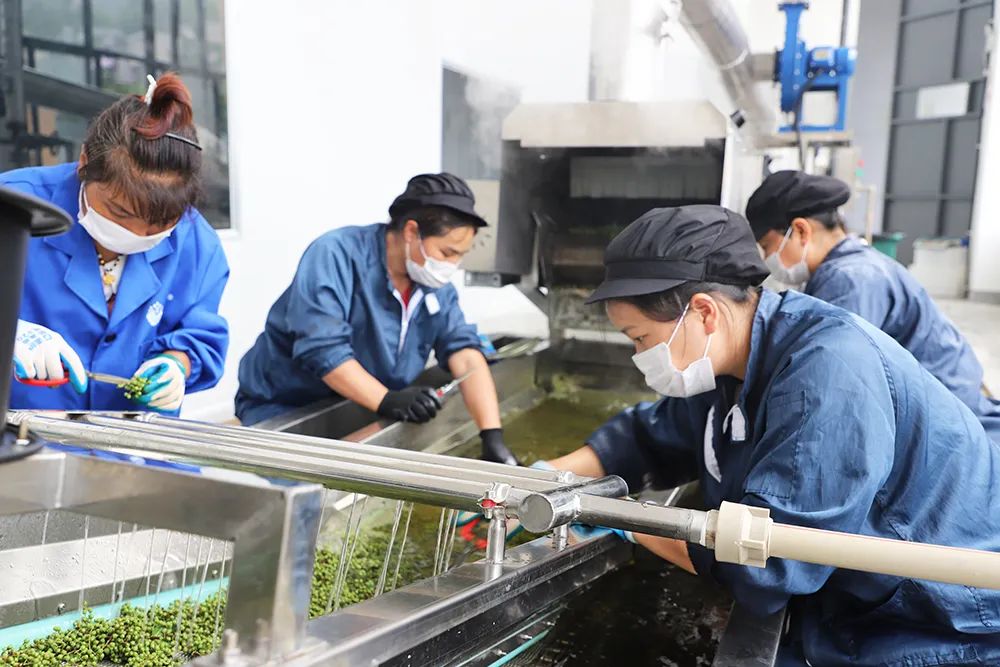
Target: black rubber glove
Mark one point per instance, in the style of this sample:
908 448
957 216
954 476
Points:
413 404
494 448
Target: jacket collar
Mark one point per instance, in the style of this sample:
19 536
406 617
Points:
139 281
845 247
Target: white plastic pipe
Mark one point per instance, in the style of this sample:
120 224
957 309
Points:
913 560
748 536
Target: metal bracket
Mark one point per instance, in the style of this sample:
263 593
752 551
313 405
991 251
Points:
494 507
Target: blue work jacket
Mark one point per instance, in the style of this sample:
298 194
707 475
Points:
866 282
341 305
837 427
168 299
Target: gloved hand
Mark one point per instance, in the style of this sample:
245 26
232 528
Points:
584 532
167 378
42 354
413 404
494 448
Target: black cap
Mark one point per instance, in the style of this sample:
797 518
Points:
445 190
786 195
668 247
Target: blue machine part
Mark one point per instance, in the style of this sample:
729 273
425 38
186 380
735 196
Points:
801 70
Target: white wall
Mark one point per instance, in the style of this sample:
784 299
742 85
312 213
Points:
541 47
334 105
984 246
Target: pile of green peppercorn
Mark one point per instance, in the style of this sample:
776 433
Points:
149 637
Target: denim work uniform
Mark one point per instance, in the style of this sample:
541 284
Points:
866 282
168 299
837 427
341 305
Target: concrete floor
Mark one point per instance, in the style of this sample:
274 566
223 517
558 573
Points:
980 323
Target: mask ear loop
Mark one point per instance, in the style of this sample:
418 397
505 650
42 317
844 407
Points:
677 327
784 240
420 244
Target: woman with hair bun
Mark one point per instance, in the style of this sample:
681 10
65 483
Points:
133 290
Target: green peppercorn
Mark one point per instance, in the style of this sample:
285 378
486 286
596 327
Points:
134 388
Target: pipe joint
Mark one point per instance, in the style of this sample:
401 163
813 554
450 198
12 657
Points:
742 534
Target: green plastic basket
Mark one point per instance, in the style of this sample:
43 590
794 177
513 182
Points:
887 244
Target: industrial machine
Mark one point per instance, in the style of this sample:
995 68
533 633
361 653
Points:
801 70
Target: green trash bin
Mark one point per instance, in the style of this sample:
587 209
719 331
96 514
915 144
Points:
887 244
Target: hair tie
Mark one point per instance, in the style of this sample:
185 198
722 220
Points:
149 91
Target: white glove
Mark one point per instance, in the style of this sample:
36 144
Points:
41 354
166 376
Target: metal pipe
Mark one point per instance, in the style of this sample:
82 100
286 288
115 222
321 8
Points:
451 488
496 539
273 438
540 512
453 491
644 517
560 537
715 27
348 452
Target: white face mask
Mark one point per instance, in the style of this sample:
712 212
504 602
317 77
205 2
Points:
664 378
796 274
109 234
434 273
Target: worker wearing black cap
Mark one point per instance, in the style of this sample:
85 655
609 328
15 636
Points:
364 311
794 218
788 403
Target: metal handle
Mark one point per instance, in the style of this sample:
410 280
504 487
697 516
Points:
43 383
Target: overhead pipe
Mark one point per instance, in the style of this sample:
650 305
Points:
716 29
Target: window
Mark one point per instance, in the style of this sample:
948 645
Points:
73 58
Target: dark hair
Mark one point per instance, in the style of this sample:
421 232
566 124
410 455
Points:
434 220
128 149
667 306
829 219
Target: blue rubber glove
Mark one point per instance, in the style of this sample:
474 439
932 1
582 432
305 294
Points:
42 354
486 346
167 378
584 532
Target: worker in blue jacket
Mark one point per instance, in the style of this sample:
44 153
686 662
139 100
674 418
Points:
786 402
795 220
364 311
133 289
